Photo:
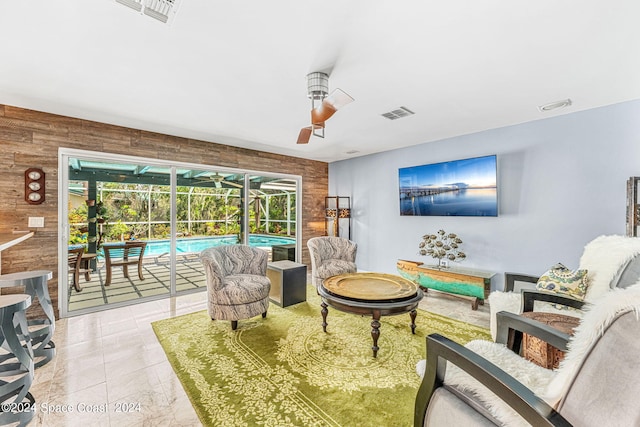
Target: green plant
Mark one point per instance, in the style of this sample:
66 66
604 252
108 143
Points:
160 231
101 211
117 230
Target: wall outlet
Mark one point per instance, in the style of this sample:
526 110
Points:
444 263
36 221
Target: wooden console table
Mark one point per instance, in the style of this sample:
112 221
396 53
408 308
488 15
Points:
466 283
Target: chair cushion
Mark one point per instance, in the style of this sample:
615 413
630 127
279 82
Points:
560 280
450 408
628 274
333 267
243 289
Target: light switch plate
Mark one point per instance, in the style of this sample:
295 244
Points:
36 221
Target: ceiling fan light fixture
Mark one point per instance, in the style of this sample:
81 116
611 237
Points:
317 85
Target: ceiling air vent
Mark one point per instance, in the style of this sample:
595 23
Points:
161 10
398 113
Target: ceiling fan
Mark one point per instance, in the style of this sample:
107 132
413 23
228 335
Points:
218 180
323 105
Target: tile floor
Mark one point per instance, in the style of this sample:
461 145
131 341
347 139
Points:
111 360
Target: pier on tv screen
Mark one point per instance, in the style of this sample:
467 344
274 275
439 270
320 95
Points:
466 187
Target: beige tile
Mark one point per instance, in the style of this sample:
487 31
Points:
125 324
88 407
79 348
124 363
41 390
45 373
149 407
135 383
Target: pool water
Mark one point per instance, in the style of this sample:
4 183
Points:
186 245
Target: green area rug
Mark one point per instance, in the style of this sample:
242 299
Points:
284 371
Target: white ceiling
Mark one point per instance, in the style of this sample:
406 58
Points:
233 72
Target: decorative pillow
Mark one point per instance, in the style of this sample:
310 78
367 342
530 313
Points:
560 280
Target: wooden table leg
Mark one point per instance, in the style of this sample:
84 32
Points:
375 331
413 315
324 312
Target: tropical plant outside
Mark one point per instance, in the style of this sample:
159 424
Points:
144 211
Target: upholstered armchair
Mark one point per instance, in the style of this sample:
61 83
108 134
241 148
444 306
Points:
487 384
331 256
610 261
237 282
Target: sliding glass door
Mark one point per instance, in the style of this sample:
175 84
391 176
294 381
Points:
272 215
208 213
134 228
115 211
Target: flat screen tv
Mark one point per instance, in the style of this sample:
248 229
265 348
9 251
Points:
466 187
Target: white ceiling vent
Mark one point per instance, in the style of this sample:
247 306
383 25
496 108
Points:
162 10
398 113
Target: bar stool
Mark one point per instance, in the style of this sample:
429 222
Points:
35 284
16 361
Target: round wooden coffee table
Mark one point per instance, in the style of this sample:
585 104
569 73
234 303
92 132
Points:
375 294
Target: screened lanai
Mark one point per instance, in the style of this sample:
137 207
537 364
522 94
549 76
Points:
177 212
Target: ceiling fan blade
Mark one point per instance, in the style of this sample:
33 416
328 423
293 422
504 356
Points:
321 114
337 99
233 184
332 103
305 135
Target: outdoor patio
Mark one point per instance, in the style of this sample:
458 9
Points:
156 272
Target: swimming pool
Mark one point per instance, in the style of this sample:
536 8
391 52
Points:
198 244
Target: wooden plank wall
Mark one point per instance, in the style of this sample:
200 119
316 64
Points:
31 139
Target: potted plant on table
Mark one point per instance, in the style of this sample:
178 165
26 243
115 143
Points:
101 213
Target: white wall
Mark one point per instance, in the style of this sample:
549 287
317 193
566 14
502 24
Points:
561 183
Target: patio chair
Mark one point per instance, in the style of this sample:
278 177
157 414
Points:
75 266
331 256
123 255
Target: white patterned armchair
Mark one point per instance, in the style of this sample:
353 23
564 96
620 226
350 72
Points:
237 282
331 256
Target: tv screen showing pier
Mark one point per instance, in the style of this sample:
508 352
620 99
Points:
466 187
